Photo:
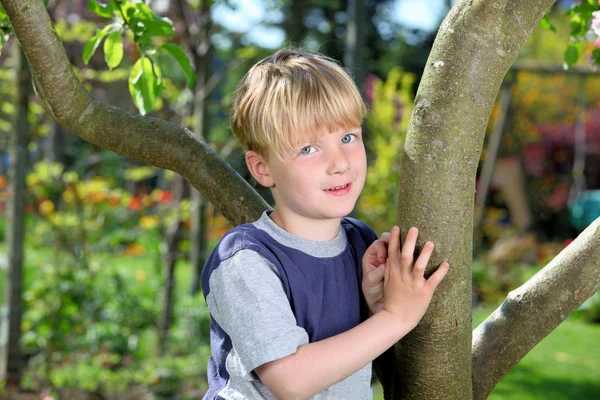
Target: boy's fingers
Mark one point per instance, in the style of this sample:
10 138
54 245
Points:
394 247
385 236
408 250
375 275
380 250
435 279
423 259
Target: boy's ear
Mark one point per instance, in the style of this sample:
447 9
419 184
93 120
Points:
259 168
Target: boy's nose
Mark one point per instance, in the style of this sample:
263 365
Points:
338 162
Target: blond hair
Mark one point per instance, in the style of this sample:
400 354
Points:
291 95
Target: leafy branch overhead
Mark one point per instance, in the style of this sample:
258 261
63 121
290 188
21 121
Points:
585 30
134 20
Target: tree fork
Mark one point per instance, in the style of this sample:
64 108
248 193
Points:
474 48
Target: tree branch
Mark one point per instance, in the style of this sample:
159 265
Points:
145 139
532 311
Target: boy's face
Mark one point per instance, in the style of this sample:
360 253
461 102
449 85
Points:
323 181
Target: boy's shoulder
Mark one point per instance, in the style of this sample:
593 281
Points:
242 237
365 231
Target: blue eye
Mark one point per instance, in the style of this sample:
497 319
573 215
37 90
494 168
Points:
307 150
351 137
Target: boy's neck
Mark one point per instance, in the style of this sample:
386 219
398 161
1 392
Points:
318 230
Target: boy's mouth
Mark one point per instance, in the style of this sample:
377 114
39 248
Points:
343 189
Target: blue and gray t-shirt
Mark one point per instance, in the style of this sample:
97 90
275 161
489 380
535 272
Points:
269 292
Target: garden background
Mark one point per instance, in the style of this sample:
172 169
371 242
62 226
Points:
113 248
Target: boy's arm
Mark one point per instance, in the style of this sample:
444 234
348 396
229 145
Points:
316 366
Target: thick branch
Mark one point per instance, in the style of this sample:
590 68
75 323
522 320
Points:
474 48
532 311
145 139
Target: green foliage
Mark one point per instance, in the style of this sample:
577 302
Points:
90 47
573 52
113 50
583 33
180 56
88 315
546 23
135 17
386 124
102 10
145 84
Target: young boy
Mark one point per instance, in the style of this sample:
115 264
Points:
284 292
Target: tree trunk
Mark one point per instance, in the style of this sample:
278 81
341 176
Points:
474 48
172 241
11 357
355 41
294 26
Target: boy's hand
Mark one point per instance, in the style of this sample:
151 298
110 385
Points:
373 267
407 293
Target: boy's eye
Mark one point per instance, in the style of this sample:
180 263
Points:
307 150
351 137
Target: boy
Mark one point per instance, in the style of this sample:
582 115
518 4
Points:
284 292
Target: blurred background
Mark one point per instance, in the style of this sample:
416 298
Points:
112 248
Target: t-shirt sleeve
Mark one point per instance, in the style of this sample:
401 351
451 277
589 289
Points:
248 301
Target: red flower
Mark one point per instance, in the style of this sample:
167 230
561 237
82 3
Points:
166 197
135 203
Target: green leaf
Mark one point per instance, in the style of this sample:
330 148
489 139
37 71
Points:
596 55
102 10
145 84
145 24
546 23
578 26
179 55
573 52
113 50
90 47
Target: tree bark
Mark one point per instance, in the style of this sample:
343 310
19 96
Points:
11 357
145 139
533 310
475 46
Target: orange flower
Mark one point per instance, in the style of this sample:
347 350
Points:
3 181
135 203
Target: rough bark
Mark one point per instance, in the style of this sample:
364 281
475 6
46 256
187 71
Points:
11 356
145 139
533 310
475 46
